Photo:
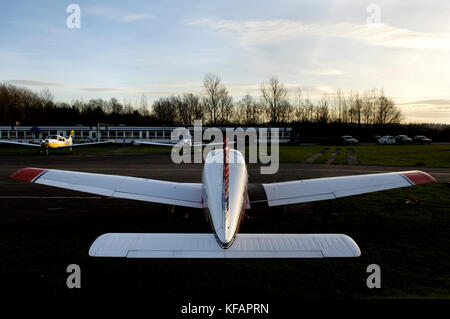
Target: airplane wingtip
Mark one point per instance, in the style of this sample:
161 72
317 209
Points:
27 174
419 177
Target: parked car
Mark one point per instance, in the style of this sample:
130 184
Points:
421 139
387 139
402 139
347 139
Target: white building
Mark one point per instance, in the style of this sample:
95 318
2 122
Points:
121 134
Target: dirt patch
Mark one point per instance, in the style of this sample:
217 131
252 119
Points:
333 156
315 156
352 158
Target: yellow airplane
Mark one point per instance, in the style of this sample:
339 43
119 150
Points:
55 142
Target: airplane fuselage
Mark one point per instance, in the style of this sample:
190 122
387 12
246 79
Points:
55 141
225 193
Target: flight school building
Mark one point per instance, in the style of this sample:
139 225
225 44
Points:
121 134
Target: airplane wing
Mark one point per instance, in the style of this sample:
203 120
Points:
205 246
20 143
210 144
302 191
173 144
154 143
149 190
86 144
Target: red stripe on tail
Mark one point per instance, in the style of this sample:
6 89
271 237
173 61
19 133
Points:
226 171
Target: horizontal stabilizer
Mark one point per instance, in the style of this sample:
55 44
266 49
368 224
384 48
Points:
205 246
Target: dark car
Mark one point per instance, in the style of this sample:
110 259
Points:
402 139
347 139
421 139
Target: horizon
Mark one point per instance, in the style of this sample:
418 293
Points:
161 49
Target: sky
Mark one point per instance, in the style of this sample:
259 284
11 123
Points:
127 49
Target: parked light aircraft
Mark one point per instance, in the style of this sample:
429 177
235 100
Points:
224 194
54 142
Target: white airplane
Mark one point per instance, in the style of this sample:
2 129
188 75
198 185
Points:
55 142
224 194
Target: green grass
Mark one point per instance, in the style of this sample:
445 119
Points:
404 155
397 155
341 158
291 153
297 154
325 156
410 242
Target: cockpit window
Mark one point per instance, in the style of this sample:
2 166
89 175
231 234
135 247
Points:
53 137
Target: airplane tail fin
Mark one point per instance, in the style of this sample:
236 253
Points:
71 134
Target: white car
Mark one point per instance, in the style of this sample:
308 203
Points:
387 139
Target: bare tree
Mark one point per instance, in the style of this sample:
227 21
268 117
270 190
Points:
322 112
248 111
143 106
165 110
274 96
115 106
340 107
226 107
46 96
214 91
193 108
387 112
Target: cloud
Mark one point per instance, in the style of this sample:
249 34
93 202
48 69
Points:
435 102
323 72
427 110
236 89
276 31
117 90
177 84
36 83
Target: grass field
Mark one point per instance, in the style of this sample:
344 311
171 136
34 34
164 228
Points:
404 155
410 243
395 155
437 155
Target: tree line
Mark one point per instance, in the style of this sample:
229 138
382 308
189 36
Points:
275 105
